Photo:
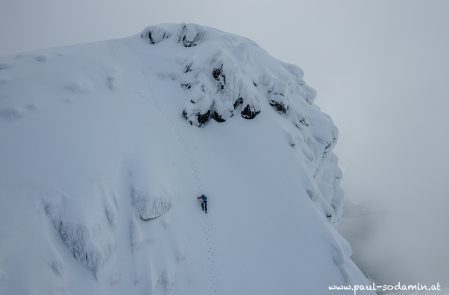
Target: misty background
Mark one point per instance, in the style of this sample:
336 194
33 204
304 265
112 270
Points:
380 68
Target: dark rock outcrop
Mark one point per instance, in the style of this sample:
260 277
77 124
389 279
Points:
279 106
249 112
219 76
198 119
217 117
238 103
186 86
190 35
203 119
155 34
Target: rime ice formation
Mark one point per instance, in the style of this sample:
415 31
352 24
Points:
106 146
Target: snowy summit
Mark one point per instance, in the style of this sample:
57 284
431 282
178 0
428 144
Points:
106 148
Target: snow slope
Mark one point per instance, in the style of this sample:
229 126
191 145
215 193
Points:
105 147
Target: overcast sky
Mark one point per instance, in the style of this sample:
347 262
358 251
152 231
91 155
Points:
380 68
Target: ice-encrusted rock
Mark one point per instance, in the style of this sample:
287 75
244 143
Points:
76 237
236 77
79 241
155 34
149 207
191 35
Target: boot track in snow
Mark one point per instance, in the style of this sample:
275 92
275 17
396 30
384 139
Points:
206 225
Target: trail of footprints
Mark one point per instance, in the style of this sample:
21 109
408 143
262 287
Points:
194 168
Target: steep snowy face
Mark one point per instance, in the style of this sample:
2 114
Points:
224 75
105 148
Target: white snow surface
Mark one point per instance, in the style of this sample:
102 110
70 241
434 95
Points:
105 147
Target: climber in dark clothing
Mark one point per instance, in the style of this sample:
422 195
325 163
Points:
204 200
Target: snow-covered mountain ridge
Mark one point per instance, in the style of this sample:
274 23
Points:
102 162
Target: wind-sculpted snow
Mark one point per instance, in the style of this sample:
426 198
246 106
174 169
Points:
90 250
147 207
106 146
